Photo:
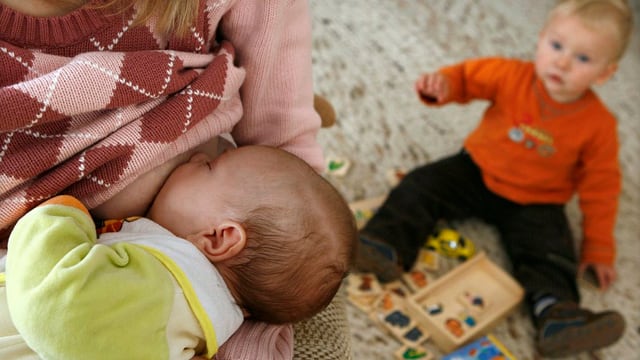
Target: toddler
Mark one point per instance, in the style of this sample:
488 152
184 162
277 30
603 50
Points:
544 136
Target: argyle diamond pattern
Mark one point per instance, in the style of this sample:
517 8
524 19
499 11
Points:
89 118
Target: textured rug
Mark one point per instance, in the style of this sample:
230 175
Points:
367 54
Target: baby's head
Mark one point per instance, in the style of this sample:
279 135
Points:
613 17
281 236
581 44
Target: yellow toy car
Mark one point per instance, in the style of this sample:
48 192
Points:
449 242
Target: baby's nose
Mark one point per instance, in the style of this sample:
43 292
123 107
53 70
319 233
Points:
199 157
563 61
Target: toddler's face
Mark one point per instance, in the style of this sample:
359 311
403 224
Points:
572 57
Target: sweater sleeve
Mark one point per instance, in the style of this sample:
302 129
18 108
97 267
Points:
272 40
63 289
599 185
475 79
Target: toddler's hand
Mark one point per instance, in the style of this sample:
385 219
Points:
605 274
432 87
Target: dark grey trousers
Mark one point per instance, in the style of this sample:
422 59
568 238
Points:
537 237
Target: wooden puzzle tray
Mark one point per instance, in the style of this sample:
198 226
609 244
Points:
466 302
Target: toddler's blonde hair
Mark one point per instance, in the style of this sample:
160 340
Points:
600 14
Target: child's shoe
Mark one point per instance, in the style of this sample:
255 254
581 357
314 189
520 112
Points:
566 329
378 258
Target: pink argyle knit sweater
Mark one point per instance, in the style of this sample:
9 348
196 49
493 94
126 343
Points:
88 102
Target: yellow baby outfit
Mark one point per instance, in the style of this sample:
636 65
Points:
138 293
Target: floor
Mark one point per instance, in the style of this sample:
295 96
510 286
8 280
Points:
367 53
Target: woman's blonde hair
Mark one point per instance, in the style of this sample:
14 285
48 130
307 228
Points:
172 17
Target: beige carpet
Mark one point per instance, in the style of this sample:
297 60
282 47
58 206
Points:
367 53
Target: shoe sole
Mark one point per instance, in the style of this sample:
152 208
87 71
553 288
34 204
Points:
599 333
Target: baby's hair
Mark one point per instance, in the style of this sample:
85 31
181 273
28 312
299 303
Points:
281 283
172 17
299 247
599 14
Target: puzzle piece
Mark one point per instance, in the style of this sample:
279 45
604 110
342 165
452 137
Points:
413 353
397 287
415 335
466 318
363 290
428 259
417 279
399 323
473 302
363 284
454 326
397 319
395 175
363 210
434 309
337 166
388 301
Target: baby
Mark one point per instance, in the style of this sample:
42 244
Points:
280 238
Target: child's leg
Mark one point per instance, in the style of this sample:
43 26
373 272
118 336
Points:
450 188
539 242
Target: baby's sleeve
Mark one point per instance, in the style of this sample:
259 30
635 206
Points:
59 228
71 298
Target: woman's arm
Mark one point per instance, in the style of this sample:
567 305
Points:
272 39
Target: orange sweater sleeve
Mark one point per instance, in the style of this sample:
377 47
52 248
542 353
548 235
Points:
599 185
475 79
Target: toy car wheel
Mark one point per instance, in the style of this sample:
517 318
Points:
462 257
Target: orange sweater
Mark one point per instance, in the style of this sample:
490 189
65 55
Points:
532 149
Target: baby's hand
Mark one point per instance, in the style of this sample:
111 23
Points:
605 274
432 87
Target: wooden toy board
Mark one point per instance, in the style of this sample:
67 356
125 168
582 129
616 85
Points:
476 295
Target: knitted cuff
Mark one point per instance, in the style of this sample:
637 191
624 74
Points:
258 340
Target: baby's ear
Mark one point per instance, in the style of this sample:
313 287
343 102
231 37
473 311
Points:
220 242
607 73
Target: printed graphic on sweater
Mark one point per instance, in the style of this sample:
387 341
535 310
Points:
532 137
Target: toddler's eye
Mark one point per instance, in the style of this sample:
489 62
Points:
583 58
556 45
